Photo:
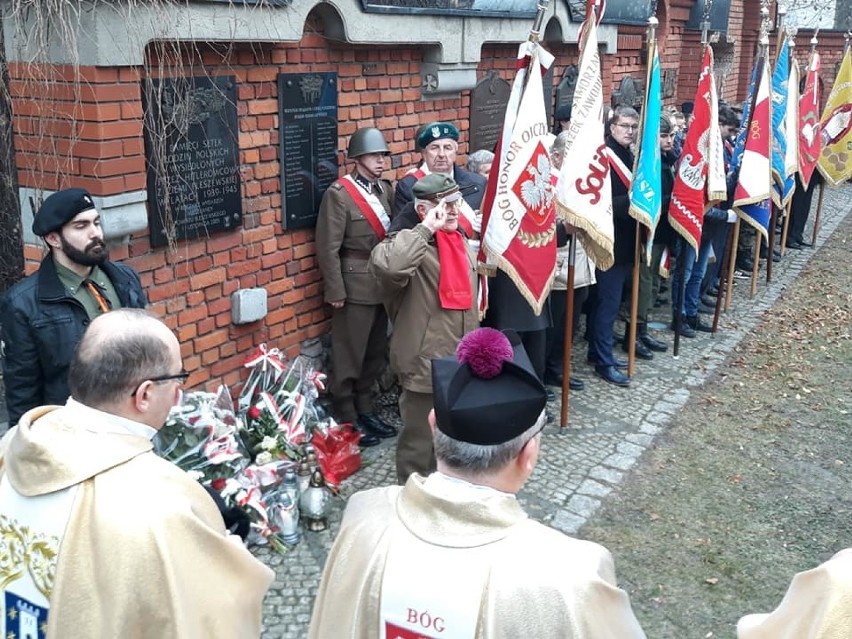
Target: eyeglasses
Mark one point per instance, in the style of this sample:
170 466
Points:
628 127
179 377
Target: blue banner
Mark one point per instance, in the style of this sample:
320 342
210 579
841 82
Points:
646 194
779 124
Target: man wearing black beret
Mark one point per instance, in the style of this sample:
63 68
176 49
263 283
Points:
438 143
43 316
454 554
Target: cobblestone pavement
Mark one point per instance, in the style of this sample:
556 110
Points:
609 428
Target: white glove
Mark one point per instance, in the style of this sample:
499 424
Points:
732 216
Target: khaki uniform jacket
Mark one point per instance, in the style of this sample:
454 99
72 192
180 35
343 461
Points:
407 269
344 239
538 583
145 552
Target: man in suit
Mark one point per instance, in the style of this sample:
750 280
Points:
43 317
353 218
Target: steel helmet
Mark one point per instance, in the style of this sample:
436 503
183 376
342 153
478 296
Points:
365 141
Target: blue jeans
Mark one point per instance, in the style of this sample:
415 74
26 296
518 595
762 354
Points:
610 284
694 273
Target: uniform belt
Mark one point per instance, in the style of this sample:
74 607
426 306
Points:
355 254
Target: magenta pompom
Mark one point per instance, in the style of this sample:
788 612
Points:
484 351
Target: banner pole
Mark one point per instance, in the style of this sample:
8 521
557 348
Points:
818 212
569 333
729 288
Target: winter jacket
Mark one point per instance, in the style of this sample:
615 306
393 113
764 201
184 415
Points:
40 326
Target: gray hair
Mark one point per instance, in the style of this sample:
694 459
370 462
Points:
108 365
476 159
624 112
476 459
560 143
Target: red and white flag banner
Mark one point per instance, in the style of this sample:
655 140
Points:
519 229
689 194
583 192
810 140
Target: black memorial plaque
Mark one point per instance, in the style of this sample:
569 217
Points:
567 86
307 116
488 102
193 157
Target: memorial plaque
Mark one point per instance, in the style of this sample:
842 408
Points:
307 116
193 157
630 93
567 86
488 102
670 83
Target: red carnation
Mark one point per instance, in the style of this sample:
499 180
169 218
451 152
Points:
218 484
253 413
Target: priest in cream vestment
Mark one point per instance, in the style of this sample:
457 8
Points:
454 554
818 605
100 538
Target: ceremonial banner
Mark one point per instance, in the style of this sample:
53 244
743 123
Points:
583 192
748 107
646 192
519 232
779 122
835 160
809 128
689 194
791 159
751 198
717 183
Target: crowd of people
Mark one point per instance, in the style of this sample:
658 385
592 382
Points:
99 537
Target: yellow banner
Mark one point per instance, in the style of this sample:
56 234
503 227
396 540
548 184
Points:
835 161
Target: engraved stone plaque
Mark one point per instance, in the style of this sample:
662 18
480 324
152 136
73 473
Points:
488 102
307 116
193 157
567 86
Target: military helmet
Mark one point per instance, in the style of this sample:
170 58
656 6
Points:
365 141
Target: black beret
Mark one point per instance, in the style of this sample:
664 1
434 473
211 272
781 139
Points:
59 209
488 393
687 107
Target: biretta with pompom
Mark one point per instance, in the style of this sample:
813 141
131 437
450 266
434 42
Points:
488 393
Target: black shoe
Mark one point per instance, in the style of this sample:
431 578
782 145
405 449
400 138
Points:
612 375
551 396
619 363
367 438
804 243
575 384
653 343
745 265
695 323
642 351
713 291
685 329
794 245
370 423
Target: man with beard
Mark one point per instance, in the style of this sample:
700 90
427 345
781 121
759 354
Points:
43 317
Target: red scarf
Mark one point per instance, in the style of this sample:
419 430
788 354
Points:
454 290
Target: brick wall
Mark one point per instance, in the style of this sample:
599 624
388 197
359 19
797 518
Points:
84 128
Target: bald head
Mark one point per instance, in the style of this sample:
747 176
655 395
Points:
119 351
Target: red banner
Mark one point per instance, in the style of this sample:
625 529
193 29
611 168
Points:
809 127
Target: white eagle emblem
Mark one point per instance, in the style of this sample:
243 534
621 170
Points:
436 132
536 192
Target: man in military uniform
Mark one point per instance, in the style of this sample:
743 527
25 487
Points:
438 143
43 317
354 216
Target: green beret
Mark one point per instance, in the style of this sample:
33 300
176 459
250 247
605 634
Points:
436 131
435 187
